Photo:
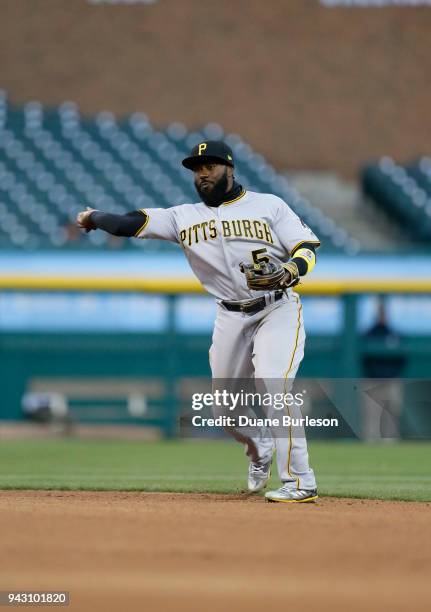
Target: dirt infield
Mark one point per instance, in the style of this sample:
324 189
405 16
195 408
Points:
160 551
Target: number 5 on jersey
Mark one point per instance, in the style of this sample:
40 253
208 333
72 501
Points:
259 257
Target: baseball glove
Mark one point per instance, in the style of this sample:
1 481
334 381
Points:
267 276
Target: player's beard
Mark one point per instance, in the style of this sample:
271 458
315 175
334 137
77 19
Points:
217 193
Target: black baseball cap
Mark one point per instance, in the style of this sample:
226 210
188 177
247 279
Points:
214 150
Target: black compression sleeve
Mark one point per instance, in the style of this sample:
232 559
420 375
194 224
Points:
300 262
119 225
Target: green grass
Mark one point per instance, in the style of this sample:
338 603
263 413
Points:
347 469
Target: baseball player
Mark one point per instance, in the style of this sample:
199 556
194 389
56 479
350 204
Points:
248 250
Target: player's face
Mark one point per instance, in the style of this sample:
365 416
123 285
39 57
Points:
207 175
212 181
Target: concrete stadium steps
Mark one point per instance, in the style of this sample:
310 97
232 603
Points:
343 201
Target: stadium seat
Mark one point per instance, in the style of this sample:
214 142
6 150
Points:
404 193
54 162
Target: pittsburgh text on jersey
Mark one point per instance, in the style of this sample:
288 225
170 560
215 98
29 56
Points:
255 229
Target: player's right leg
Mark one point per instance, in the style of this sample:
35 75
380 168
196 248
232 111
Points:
232 369
230 353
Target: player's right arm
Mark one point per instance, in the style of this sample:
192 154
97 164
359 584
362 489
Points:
159 223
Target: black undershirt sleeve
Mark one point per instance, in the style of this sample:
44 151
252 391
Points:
301 263
119 225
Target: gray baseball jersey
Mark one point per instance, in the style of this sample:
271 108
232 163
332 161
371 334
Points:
268 345
217 240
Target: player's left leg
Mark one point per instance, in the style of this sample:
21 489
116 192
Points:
278 351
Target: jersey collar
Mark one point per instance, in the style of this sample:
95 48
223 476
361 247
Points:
241 195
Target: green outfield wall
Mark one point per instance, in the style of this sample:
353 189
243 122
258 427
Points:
138 377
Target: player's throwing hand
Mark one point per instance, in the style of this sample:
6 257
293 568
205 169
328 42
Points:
83 219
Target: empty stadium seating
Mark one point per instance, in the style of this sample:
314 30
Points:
54 162
404 193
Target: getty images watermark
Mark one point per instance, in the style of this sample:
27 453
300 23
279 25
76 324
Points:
242 401
368 409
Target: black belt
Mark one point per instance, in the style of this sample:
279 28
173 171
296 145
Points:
252 306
